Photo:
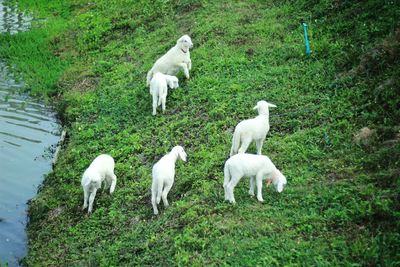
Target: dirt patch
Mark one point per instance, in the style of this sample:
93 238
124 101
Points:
54 213
365 136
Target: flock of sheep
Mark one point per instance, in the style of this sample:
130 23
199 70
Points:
240 164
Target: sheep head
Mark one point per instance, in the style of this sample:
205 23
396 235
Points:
179 152
173 82
185 43
279 180
262 107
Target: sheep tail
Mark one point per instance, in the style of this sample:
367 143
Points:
149 77
86 185
86 180
227 175
235 143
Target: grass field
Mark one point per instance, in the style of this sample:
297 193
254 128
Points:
341 204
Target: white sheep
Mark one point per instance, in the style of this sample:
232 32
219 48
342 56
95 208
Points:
159 89
257 167
101 169
163 176
253 129
178 57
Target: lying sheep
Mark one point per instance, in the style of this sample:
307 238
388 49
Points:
101 169
178 57
163 176
159 89
257 167
252 129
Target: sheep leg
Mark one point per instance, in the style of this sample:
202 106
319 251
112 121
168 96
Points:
113 183
85 198
259 188
159 191
259 145
165 194
227 178
189 64
153 202
251 190
154 103
226 193
154 188
231 186
245 144
106 184
185 69
91 199
163 101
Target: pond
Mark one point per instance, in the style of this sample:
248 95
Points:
29 132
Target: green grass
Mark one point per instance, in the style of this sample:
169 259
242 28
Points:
34 53
341 204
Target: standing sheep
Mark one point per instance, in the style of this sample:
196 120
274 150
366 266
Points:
159 89
163 176
101 169
257 167
178 57
252 129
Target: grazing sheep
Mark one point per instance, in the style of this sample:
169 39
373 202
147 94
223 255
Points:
101 169
252 129
257 167
163 176
178 57
159 89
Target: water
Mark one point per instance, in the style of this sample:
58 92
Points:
27 131
11 20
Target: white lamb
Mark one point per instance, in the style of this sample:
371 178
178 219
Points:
178 57
163 176
159 89
252 129
101 169
257 167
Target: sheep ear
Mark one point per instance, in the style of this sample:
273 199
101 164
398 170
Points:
271 105
256 107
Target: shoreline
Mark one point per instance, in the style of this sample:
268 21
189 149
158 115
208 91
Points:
94 59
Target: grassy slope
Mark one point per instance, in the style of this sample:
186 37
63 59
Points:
341 205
